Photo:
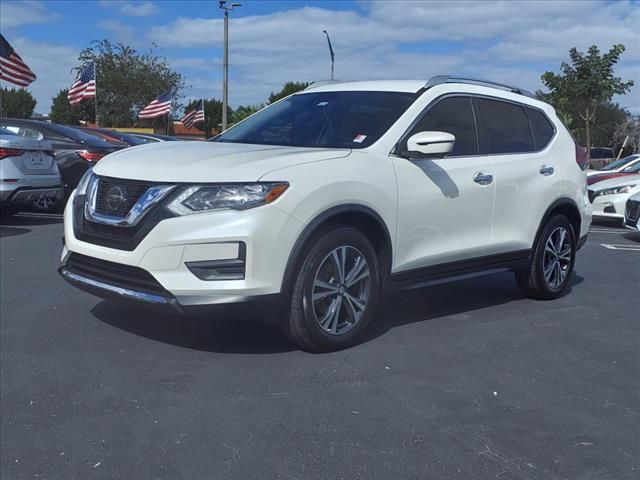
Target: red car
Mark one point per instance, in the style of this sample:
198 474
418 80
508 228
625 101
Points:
628 170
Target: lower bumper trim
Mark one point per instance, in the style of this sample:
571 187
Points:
98 288
29 195
182 304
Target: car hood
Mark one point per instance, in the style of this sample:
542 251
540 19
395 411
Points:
626 179
198 162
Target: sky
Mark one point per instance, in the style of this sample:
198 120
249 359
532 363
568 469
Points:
272 42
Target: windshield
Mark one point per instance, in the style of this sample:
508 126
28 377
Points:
327 119
620 162
635 168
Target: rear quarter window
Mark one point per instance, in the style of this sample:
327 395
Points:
541 127
503 127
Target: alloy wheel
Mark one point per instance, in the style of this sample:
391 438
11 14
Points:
557 257
341 290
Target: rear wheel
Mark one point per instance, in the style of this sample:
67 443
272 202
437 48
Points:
335 292
552 263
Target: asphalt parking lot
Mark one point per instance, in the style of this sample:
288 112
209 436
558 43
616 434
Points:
461 381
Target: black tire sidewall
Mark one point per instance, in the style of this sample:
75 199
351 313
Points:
342 236
552 224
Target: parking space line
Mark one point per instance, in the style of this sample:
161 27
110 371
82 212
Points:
621 246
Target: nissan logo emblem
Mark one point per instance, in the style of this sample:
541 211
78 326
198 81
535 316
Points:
115 198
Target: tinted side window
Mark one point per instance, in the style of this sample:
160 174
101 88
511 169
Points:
542 128
452 115
503 127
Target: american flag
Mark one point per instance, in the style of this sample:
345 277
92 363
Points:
160 106
85 84
12 68
194 116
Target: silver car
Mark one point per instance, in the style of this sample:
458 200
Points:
29 175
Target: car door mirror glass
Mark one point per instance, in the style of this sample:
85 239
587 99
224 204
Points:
430 144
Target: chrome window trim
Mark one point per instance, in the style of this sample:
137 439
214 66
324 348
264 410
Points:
152 196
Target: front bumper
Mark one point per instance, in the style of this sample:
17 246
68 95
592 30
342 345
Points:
171 249
610 206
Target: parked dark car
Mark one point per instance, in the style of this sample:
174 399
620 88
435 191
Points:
153 137
75 150
121 137
601 156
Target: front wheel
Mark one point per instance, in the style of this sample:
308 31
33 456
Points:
335 293
552 262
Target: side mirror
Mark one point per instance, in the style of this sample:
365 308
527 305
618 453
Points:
430 144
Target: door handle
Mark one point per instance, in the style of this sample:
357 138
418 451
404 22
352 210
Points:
546 170
483 178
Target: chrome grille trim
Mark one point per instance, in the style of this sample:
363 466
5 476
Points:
148 199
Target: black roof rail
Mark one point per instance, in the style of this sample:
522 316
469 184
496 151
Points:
440 79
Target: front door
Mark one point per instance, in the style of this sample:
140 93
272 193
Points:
445 205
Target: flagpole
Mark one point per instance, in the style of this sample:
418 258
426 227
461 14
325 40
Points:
204 117
95 99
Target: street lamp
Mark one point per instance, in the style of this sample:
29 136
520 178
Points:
225 75
330 51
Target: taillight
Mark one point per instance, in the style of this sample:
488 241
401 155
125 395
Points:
582 159
10 152
90 156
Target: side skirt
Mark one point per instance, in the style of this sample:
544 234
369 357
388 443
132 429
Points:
459 270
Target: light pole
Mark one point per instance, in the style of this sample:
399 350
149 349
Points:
330 51
225 66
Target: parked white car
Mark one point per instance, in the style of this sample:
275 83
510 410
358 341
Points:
29 175
632 213
333 195
616 166
609 197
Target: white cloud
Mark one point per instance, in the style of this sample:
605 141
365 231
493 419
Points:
121 31
16 14
143 9
131 9
510 41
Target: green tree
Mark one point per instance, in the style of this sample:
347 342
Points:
127 80
287 89
243 111
16 103
212 114
63 112
585 85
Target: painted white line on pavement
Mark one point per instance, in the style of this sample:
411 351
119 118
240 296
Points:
621 246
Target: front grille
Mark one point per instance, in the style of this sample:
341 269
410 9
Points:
124 194
113 236
633 211
116 274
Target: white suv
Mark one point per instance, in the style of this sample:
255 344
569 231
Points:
333 195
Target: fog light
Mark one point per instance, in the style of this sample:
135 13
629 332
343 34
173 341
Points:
227 269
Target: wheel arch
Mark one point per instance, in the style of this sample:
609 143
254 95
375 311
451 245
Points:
564 206
364 218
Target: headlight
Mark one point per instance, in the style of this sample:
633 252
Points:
615 191
203 198
81 189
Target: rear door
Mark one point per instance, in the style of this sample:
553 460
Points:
444 211
519 140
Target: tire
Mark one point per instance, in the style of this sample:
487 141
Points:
551 267
344 303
